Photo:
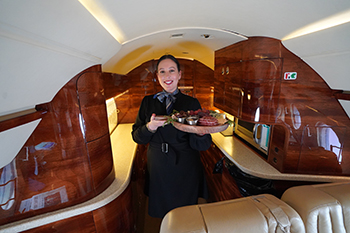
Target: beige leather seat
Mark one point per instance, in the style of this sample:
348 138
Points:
323 208
262 213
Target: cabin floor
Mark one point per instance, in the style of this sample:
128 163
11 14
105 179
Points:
143 222
151 225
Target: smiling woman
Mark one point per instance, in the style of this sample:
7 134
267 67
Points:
176 175
168 73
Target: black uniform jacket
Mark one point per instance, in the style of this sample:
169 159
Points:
176 176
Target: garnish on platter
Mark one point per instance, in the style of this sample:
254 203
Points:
199 121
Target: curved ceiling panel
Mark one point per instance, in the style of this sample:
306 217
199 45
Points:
192 43
250 17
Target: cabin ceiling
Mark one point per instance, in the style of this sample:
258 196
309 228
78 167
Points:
44 43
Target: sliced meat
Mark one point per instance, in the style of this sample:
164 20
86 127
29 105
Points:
208 121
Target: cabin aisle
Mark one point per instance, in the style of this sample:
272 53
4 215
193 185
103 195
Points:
143 222
152 225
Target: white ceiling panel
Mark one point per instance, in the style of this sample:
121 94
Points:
327 52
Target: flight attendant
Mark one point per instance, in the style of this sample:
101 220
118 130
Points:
176 175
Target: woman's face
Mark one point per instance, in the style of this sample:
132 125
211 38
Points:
168 75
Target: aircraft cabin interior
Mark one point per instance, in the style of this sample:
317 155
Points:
74 74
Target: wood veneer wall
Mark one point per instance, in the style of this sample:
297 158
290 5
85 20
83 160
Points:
113 217
309 126
68 158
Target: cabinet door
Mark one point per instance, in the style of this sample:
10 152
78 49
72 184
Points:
219 87
186 81
231 53
233 91
222 186
223 57
261 84
260 100
204 85
262 69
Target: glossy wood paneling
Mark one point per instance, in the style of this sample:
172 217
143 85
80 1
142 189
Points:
219 87
248 89
260 48
92 105
316 121
114 84
188 74
91 99
222 186
230 54
260 86
142 83
101 159
13 122
139 186
203 84
309 126
117 87
60 164
233 94
341 94
116 216
81 223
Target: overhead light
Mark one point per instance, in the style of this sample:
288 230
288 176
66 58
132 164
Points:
323 24
103 17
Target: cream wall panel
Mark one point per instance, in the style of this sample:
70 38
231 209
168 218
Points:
43 45
12 140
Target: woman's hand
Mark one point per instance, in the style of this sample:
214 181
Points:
154 124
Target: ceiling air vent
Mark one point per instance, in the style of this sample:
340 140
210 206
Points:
175 36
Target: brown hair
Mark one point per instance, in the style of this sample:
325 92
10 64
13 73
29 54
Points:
171 57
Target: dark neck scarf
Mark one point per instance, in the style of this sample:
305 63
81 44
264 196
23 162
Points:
170 99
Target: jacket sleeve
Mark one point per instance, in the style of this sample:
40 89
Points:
140 133
200 143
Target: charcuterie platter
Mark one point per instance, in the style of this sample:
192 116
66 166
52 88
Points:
199 121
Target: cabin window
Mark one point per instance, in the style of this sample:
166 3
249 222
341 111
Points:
329 140
8 185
